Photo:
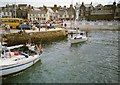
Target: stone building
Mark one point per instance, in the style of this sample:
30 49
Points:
41 13
50 15
22 11
34 14
99 7
84 11
8 11
79 12
61 14
117 12
64 13
71 13
106 12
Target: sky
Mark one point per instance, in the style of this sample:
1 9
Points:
38 3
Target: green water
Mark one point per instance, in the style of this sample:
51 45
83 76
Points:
95 61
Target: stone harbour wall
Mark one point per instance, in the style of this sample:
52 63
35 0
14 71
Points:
42 37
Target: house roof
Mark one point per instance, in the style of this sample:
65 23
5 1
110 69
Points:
50 9
38 11
22 5
87 5
43 11
99 5
118 5
108 7
61 12
84 5
71 11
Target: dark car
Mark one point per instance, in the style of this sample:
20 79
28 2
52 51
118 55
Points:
26 27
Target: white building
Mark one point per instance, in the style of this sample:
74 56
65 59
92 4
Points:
5 12
50 15
41 14
34 14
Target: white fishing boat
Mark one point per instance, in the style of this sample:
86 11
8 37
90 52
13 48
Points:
79 37
17 58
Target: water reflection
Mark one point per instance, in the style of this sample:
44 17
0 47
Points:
77 44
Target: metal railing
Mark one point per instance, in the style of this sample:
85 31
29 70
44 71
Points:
92 24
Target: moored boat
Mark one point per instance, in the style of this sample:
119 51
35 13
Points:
17 58
79 37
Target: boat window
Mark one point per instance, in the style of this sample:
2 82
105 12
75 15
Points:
6 50
2 52
74 37
81 33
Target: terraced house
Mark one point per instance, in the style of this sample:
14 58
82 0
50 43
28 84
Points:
106 12
84 10
8 11
22 10
64 13
117 12
79 11
43 14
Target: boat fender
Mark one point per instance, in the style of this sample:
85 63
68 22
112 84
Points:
16 53
40 48
8 54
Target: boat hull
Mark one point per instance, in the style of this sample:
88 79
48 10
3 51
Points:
78 40
19 66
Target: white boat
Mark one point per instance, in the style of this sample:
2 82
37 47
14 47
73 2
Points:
78 38
13 59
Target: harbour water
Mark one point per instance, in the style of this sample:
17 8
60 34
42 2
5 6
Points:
95 61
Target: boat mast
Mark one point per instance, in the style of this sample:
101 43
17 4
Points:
76 18
15 8
71 15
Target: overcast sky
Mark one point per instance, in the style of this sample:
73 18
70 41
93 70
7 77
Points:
38 3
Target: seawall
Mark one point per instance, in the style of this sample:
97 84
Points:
43 37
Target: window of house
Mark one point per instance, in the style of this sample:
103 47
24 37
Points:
117 14
60 15
65 15
4 13
8 13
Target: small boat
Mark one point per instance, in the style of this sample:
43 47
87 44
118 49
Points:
79 37
17 58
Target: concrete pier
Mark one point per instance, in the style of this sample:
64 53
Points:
37 36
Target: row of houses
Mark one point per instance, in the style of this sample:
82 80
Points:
99 12
38 13
78 12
